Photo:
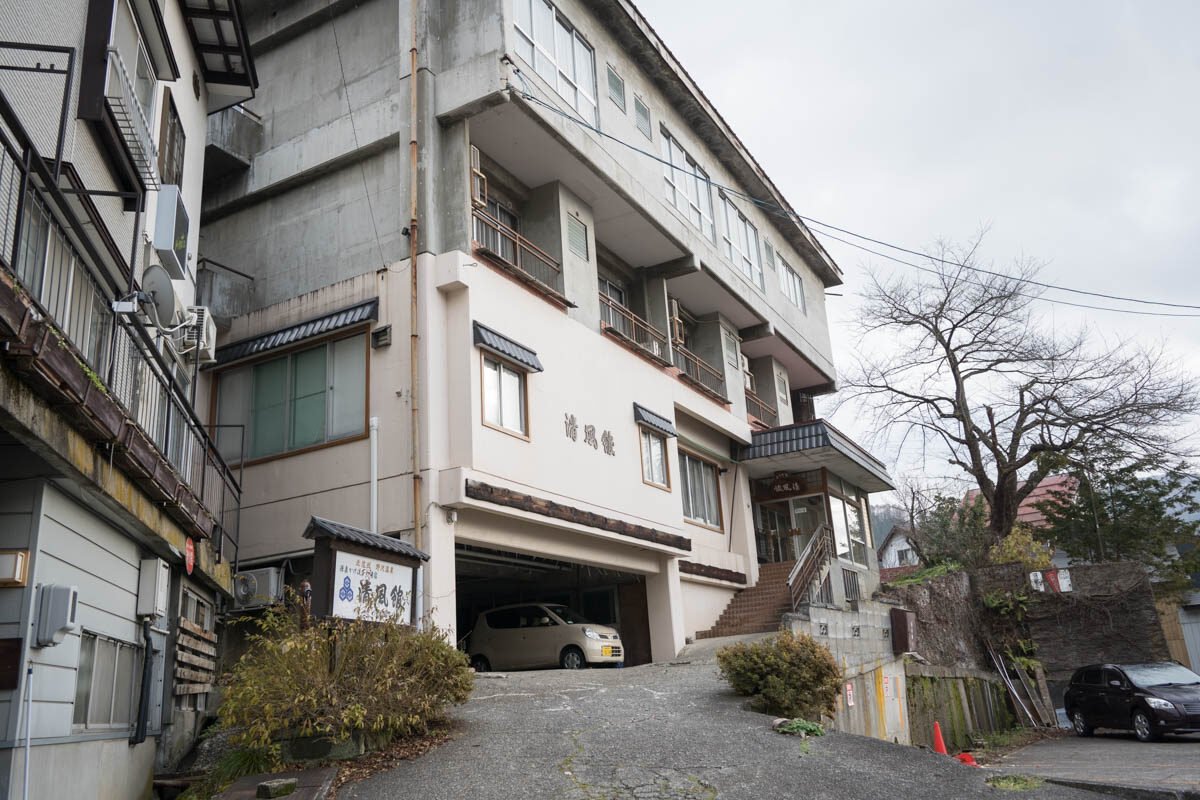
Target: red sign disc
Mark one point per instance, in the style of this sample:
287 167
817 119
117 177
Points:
189 556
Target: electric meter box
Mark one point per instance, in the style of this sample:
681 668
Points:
154 585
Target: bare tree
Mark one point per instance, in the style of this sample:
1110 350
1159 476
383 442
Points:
969 367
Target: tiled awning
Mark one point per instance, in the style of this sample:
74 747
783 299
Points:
326 323
319 528
501 345
644 416
812 445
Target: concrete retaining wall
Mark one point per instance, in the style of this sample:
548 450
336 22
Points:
964 702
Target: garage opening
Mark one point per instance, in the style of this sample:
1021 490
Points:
487 578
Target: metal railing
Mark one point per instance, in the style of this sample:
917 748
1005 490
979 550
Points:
513 250
805 582
697 370
758 408
131 118
67 286
620 320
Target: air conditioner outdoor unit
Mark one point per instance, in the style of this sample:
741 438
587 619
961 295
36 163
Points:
171 231
201 334
257 588
747 375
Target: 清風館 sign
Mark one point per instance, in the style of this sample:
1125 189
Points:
371 588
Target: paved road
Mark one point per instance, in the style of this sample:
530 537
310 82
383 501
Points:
1173 763
657 732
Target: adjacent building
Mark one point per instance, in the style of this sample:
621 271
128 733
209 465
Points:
118 517
495 277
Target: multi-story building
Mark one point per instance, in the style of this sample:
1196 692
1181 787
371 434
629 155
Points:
118 518
607 392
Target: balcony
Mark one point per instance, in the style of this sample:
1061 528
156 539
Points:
632 331
127 111
232 139
698 373
104 373
518 256
757 408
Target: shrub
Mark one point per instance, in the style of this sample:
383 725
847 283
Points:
340 677
1021 548
788 674
795 727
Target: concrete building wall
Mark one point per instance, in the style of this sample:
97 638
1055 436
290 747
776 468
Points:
703 602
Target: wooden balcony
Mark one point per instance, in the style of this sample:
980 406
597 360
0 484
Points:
632 331
699 373
518 256
757 408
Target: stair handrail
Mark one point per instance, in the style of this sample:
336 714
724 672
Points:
816 554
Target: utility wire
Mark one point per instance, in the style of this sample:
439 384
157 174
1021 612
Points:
781 211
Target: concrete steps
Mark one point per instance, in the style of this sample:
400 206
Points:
758 608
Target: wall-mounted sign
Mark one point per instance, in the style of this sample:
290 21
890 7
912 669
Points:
1051 580
371 588
189 556
605 440
786 484
850 694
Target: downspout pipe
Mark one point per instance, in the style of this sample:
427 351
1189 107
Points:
374 427
143 721
414 329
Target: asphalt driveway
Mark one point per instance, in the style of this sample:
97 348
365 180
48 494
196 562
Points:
1173 763
657 732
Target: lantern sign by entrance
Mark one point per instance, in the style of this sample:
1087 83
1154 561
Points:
362 575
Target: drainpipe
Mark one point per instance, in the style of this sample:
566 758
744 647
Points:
139 733
414 332
418 605
374 426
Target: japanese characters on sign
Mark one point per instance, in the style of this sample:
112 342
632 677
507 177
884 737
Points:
786 484
849 694
370 588
605 440
1051 580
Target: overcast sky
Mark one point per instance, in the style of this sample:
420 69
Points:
1071 128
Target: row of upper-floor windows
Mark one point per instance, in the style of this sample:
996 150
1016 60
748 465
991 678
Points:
559 54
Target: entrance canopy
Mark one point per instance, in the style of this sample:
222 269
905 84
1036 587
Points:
812 445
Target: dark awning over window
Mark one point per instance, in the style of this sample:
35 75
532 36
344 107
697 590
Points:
501 345
644 416
326 323
325 528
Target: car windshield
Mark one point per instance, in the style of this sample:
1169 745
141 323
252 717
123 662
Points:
1160 674
568 616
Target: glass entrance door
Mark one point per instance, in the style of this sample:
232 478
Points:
785 526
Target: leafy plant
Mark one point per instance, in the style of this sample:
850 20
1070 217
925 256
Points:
339 677
789 674
234 765
797 726
1014 604
928 573
1014 783
1020 547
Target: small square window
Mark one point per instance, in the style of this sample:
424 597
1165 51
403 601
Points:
504 404
641 113
616 88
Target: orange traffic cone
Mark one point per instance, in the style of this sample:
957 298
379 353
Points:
939 746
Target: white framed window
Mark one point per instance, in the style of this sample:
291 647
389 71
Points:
106 683
687 186
741 243
296 401
504 405
781 387
654 459
548 42
616 88
641 114
698 479
792 285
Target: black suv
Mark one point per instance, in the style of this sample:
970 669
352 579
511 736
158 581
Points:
1151 699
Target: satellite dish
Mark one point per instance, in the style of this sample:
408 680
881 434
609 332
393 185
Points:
245 586
156 282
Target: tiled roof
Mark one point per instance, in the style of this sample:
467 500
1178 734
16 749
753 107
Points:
500 344
342 318
323 528
1028 512
646 417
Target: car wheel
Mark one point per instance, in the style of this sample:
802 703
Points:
1080 724
1143 726
480 664
572 658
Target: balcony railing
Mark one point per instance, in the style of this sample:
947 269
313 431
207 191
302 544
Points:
105 374
519 255
758 408
131 118
619 321
698 372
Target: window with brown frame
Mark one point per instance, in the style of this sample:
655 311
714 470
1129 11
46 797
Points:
170 143
295 401
699 481
655 467
504 396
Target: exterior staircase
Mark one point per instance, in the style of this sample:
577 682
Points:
758 608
